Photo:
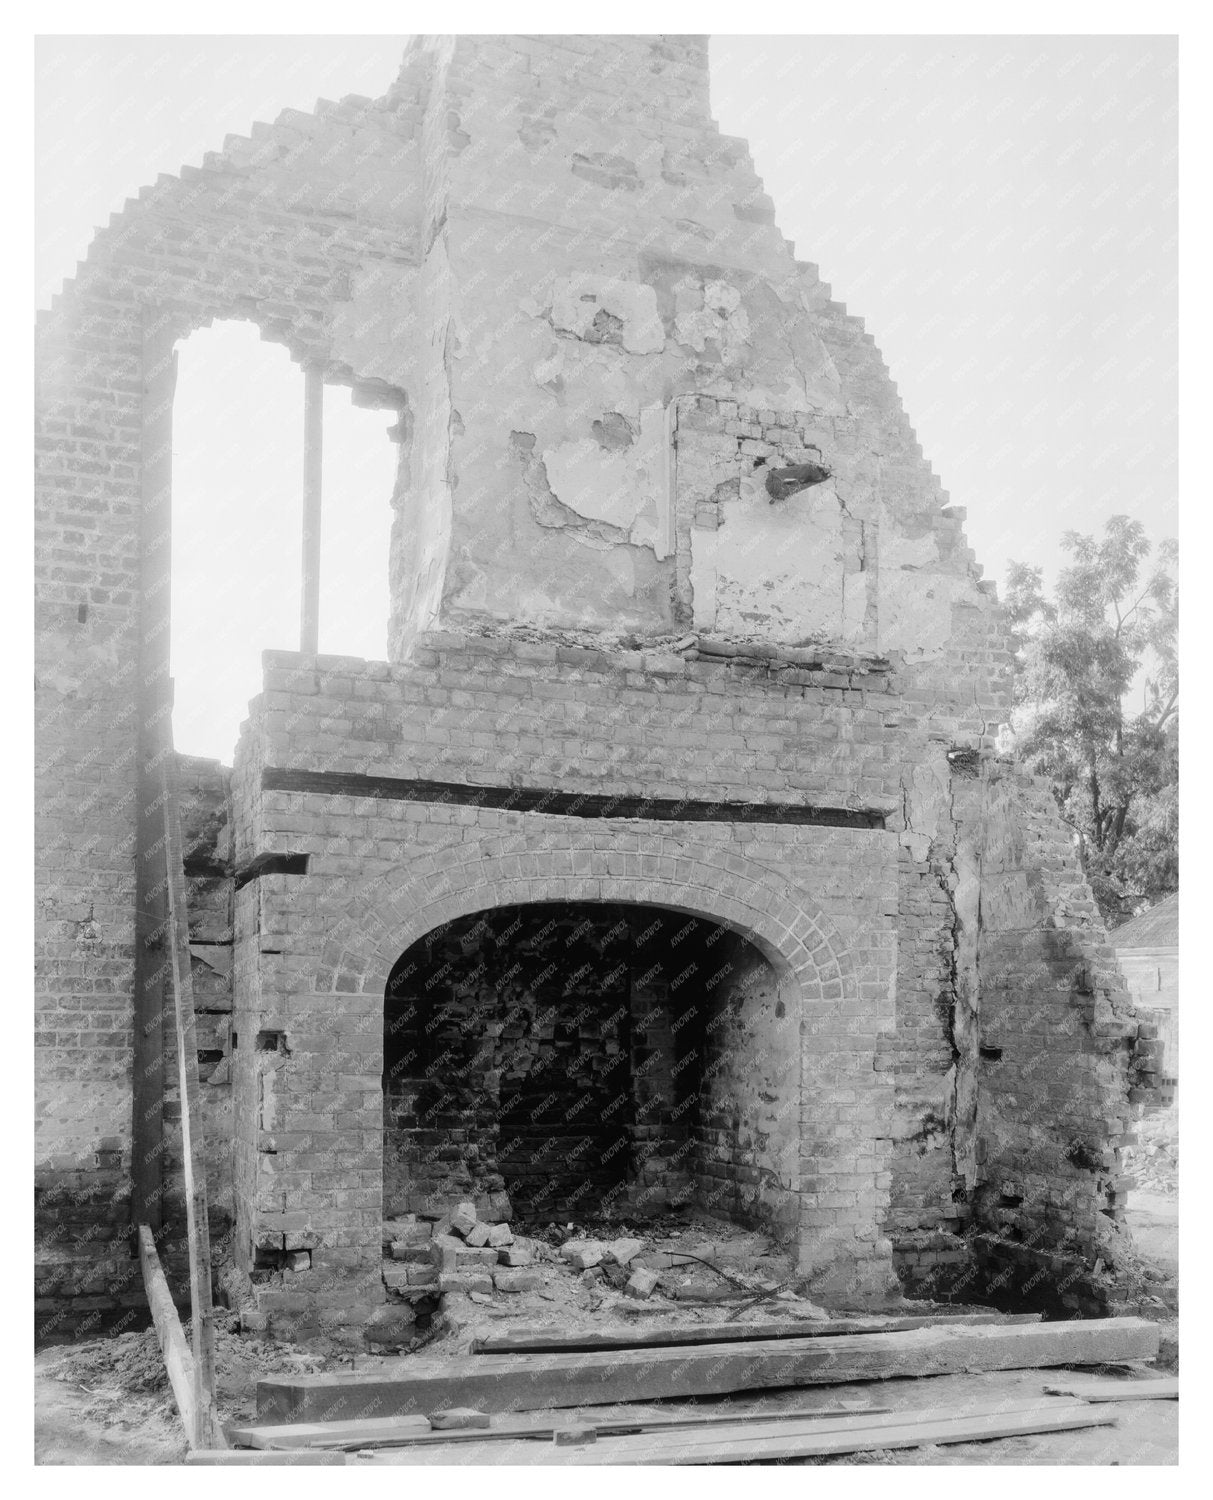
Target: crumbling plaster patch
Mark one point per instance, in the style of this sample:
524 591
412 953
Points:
579 300
423 498
801 565
610 469
682 323
589 518
823 384
902 549
782 567
613 432
374 331
915 608
597 483
739 336
711 311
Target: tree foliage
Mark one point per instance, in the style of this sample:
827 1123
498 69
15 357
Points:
1115 773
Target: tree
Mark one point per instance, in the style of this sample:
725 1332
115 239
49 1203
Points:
1114 615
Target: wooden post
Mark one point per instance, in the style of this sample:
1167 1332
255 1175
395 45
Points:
177 1360
313 452
208 1433
153 705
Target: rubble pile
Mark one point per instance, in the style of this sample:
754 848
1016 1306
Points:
447 1273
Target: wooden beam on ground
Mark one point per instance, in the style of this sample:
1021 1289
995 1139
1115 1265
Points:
207 1431
175 1351
521 1382
549 1340
412 1432
1165 1389
735 1444
236 1458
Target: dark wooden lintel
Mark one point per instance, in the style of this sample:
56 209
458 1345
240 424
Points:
565 804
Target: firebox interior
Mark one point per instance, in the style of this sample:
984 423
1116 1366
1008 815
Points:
560 1060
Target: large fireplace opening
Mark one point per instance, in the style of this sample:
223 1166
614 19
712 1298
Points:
583 1060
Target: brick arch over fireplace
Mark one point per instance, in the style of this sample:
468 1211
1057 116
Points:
841 1180
728 888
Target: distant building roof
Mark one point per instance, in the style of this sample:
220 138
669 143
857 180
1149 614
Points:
1156 928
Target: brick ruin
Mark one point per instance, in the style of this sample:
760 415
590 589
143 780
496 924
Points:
670 857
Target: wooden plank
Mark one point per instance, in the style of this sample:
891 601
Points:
242 1457
722 1447
411 1431
734 1445
304 1434
1166 1389
538 1340
158 379
521 1382
775 1424
207 1431
516 1428
175 1351
550 800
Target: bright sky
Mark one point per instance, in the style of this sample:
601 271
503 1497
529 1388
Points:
1000 210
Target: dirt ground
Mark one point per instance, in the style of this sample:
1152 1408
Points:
72 1426
108 1401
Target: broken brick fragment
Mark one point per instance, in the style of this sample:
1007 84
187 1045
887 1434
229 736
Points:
582 1254
622 1251
641 1285
516 1281
463 1220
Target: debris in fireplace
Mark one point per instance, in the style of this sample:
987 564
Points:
592 1274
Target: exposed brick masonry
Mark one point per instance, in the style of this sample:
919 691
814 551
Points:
543 258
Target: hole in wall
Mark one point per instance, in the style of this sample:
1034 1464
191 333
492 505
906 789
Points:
237 527
272 864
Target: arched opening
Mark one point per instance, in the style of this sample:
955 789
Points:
237 527
587 1060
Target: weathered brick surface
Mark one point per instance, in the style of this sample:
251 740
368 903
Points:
483 709
1062 1064
541 254
230 239
86 1280
347 922
207 847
